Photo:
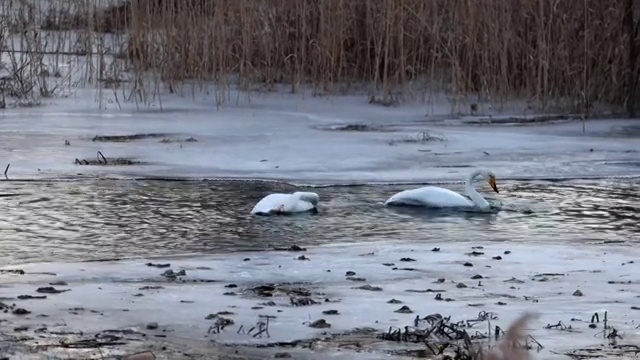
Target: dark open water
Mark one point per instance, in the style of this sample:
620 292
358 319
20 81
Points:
82 220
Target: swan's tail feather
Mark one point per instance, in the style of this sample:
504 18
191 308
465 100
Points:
508 348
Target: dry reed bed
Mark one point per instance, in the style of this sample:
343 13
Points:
568 53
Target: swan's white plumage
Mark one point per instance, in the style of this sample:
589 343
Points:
430 196
437 197
286 203
308 196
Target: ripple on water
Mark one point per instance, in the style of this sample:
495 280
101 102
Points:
53 221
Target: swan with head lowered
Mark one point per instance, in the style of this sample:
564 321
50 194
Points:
286 204
437 197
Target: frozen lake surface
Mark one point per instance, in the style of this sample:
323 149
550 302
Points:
308 141
569 198
548 240
352 288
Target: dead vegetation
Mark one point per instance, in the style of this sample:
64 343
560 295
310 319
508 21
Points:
510 348
571 55
460 341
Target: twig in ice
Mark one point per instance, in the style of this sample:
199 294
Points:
103 158
6 170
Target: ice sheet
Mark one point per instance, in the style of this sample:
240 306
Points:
109 288
285 137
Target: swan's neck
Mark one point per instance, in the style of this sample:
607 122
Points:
477 199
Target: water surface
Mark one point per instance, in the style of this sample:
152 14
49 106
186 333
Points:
98 219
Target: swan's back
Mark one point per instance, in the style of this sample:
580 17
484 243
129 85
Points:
308 196
430 196
284 203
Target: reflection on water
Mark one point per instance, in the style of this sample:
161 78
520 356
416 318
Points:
51 221
607 211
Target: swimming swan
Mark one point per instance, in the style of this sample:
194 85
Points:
434 196
284 204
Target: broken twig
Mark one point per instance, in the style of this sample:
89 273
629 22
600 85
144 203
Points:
99 155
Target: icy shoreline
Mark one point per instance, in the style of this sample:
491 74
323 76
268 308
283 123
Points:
504 279
336 140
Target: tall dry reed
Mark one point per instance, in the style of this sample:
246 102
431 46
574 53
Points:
570 53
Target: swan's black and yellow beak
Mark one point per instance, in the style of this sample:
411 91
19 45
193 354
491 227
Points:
492 182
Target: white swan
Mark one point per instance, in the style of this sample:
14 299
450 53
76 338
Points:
283 204
433 196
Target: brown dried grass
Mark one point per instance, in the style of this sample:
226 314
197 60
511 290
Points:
569 53
544 50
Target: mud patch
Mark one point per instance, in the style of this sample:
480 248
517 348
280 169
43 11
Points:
622 163
42 342
422 137
522 120
127 138
354 128
298 296
274 290
630 131
606 352
356 339
167 140
453 166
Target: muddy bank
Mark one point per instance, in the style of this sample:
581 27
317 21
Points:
270 301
